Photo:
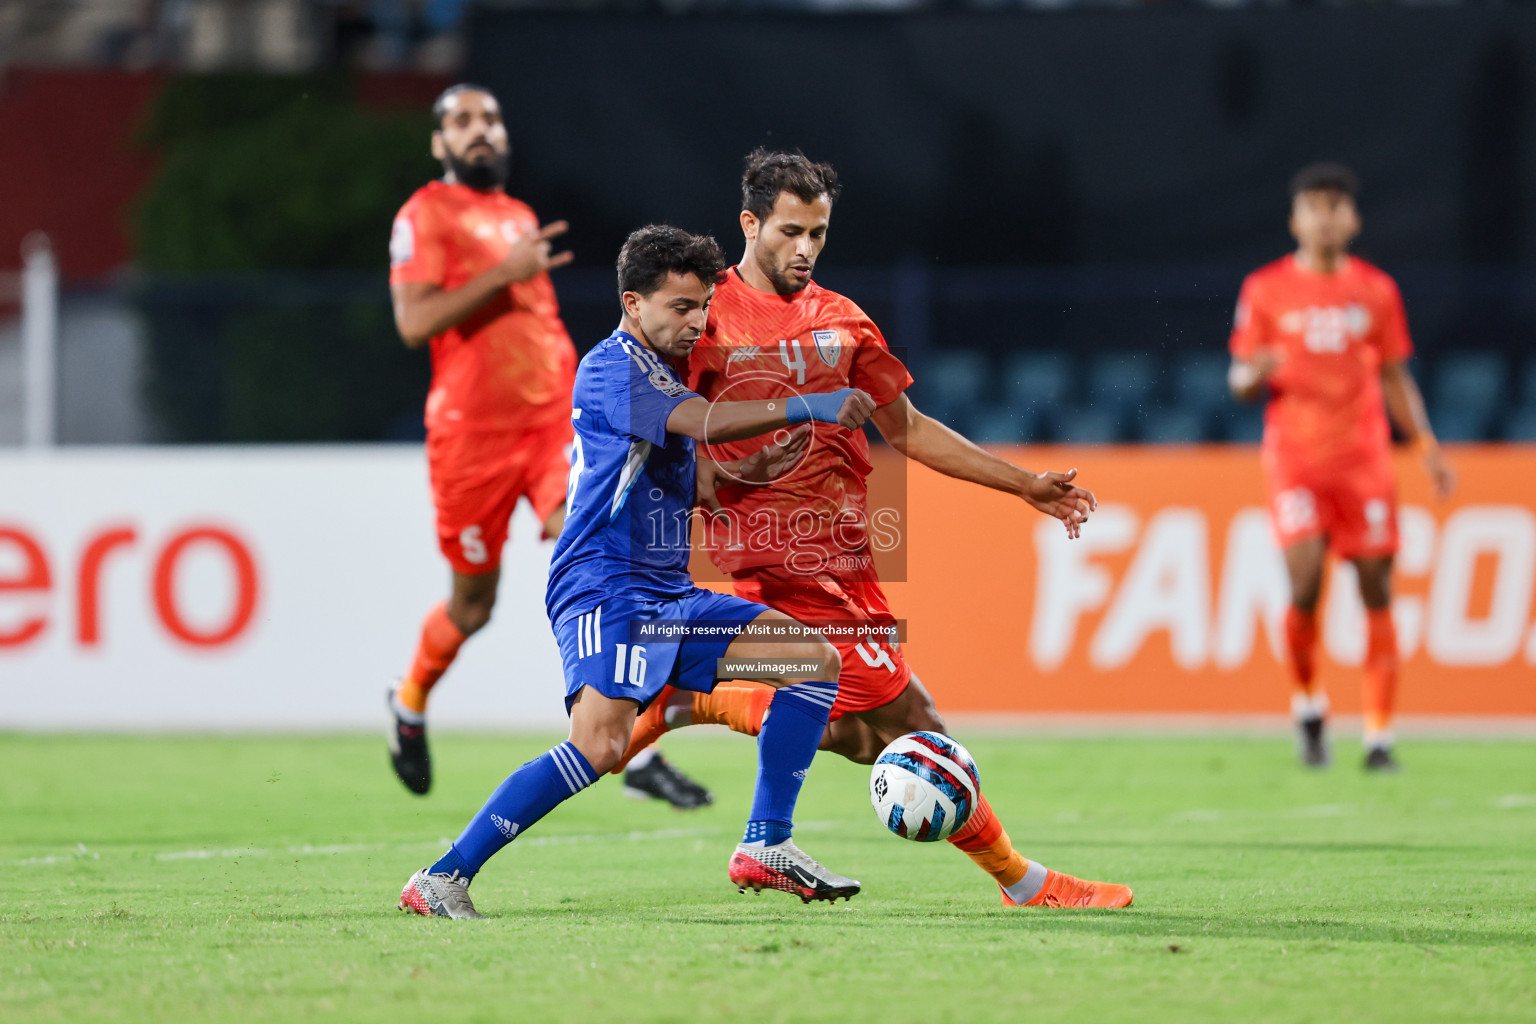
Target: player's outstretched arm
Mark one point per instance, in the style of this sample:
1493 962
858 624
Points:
718 422
924 439
424 310
1406 407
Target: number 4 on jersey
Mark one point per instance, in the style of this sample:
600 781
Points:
875 656
795 362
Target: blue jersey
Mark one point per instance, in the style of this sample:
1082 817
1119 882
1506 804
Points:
631 488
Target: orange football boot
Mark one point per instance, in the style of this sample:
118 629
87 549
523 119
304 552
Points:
1062 890
650 726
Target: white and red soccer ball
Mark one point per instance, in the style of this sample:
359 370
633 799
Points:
924 787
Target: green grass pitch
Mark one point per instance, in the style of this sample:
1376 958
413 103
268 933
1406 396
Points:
255 879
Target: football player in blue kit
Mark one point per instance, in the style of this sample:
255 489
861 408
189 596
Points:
625 611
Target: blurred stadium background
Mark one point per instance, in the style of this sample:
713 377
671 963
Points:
214 515
1049 208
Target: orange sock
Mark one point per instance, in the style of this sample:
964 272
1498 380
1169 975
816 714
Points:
1380 688
985 841
1301 643
740 707
440 643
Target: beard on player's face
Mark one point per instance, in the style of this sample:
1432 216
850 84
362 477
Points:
480 167
776 268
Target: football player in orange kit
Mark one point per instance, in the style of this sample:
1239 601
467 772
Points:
1324 335
801 543
469 274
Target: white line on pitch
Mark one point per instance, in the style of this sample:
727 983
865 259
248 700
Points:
331 849
1509 802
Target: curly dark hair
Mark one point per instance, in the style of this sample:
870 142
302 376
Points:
768 173
656 250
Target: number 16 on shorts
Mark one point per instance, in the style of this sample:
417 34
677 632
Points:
629 664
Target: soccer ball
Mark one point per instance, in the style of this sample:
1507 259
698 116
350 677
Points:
924 787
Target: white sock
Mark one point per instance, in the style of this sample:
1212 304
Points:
1379 740
1028 887
643 758
1309 705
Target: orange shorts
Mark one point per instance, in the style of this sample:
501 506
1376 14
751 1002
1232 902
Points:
478 478
874 671
1354 507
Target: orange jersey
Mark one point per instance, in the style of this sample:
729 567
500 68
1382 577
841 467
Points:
762 346
511 364
1333 333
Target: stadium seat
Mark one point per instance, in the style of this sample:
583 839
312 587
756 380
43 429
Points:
1200 383
1461 423
952 385
997 424
1243 424
1038 378
1528 385
1178 424
1121 382
1468 388
1521 424
1088 426
1036 386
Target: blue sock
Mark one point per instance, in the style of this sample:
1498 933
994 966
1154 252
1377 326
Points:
527 795
791 733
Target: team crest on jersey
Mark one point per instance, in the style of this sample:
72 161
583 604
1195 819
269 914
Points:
829 345
668 385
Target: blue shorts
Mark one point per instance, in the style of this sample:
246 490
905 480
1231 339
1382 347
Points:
629 649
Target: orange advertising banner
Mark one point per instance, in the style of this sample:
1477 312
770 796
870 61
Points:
1172 600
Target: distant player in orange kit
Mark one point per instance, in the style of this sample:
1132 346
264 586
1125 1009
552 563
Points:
469 274
1324 335
800 544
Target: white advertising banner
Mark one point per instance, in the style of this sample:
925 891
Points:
284 588
246 588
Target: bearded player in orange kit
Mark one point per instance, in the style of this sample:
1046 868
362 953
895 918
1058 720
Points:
469 274
1324 334
800 544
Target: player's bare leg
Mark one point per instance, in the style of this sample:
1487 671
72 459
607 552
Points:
467 610
1304 562
862 735
1024 883
1380 689
852 738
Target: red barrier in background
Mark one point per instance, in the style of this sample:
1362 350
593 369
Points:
70 164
